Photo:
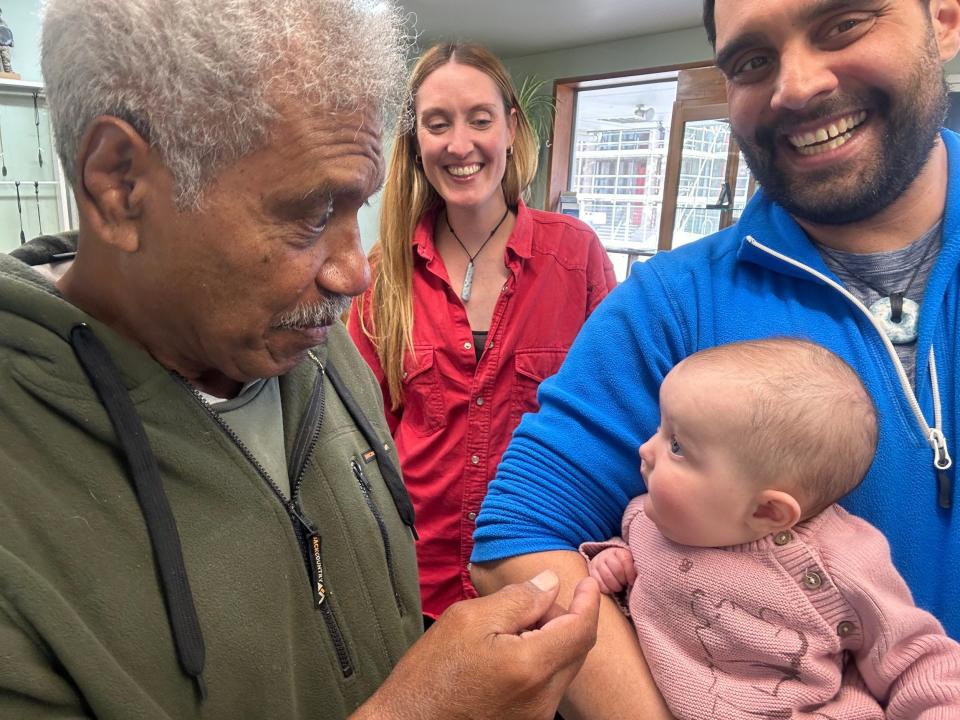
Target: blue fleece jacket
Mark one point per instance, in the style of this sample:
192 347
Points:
571 468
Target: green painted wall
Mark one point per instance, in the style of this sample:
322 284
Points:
23 17
38 207
671 48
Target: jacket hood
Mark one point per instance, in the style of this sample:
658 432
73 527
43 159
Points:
30 304
74 356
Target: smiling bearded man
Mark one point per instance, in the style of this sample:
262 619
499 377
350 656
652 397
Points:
907 117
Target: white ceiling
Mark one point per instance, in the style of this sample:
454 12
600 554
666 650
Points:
513 28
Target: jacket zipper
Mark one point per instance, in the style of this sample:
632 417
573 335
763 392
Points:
320 591
304 530
313 540
933 435
365 489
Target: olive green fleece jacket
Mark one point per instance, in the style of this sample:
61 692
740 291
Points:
84 631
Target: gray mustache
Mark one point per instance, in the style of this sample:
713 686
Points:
325 312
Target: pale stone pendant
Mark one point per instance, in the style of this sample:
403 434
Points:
903 332
467 282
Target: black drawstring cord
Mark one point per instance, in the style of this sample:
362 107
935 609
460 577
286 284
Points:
161 525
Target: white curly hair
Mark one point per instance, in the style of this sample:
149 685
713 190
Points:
200 79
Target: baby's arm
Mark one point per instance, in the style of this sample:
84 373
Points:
905 658
613 569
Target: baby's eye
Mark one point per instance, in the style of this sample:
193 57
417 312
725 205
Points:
675 446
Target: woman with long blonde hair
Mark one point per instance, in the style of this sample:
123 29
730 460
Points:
475 298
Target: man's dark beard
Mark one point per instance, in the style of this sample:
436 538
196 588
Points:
912 124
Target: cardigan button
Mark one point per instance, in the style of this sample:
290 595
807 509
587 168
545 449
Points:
467 346
475 459
782 537
473 516
479 401
812 580
845 628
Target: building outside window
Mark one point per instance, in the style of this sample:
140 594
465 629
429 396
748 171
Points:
618 164
618 161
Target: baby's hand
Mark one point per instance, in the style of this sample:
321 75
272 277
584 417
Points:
613 569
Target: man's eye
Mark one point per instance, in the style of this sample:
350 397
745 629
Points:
843 27
750 65
675 447
318 223
839 27
845 30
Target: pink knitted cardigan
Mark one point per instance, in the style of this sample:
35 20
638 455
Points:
810 623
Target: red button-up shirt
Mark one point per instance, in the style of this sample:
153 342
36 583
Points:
458 413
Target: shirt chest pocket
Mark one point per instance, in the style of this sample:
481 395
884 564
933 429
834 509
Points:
531 367
423 408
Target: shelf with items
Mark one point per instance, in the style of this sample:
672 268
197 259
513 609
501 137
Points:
34 195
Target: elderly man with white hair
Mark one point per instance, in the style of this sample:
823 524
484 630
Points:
202 515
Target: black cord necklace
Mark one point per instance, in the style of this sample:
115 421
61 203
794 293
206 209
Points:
468 277
897 314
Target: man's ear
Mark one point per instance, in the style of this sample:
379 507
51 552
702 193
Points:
114 167
773 511
945 18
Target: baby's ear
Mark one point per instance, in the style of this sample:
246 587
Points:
773 511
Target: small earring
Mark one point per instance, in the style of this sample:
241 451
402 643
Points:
510 151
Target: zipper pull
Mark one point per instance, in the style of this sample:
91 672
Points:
316 570
316 361
359 475
942 463
308 527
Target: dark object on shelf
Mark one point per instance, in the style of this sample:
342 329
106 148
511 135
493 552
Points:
725 201
23 239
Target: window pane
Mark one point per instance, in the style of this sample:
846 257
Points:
619 160
703 168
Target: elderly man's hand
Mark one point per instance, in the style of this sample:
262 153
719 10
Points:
507 656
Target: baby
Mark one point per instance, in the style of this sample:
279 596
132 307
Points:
752 593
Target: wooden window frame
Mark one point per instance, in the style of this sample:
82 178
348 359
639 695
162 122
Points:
564 96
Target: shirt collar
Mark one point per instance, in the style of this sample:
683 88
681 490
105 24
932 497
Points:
519 244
